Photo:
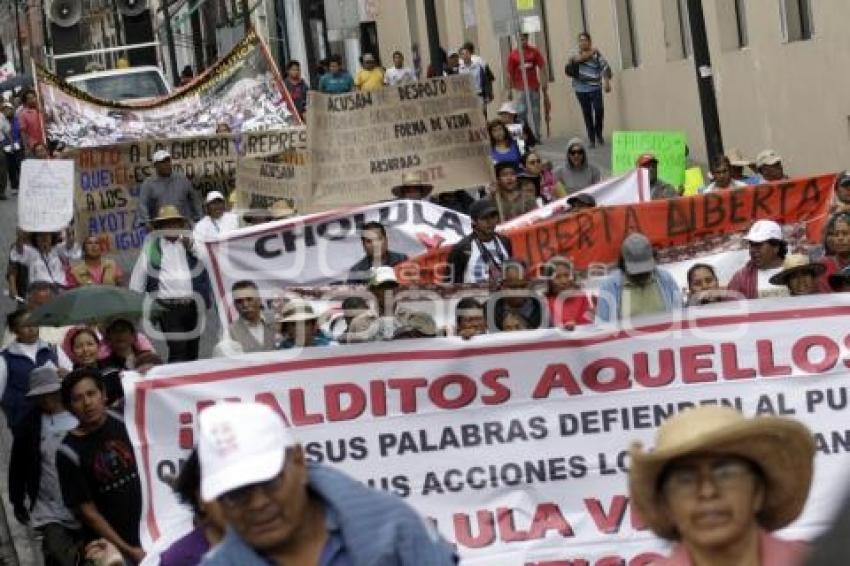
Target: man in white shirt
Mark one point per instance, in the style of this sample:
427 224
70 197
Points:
169 269
398 73
218 220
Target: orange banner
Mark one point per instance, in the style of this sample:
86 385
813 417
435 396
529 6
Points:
594 235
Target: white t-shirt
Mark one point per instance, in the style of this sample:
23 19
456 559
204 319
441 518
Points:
175 277
394 76
258 331
478 270
208 229
766 288
49 507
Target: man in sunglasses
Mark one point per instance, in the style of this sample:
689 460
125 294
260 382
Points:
282 510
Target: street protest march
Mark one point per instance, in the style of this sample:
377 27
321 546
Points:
515 444
243 91
691 226
361 143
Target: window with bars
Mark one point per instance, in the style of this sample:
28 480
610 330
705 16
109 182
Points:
796 20
626 33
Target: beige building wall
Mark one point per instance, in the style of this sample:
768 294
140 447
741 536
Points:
792 96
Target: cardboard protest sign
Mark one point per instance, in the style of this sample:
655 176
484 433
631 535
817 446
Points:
515 444
262 182
108 177
668 147
362 142
243 90
46 196
595 235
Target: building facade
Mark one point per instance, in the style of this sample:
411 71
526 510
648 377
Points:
777 65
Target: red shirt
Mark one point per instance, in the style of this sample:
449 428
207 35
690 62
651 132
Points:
576 310
30 121
533 60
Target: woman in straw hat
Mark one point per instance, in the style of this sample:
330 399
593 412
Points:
719 483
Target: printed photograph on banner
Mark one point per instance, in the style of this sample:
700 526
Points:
243 92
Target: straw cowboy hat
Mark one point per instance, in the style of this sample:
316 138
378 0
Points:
783 449
296 310
413 179
281 210
797 263
168 212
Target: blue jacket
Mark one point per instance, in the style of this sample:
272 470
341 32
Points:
378 529
611 294
15 402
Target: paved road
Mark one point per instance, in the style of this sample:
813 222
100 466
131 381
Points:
24 550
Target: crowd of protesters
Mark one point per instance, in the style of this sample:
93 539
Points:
255 497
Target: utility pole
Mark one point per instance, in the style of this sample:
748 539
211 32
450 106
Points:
705 81
169 37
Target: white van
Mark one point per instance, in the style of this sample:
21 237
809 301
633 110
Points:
133 84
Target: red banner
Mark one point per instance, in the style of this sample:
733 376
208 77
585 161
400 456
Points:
594 235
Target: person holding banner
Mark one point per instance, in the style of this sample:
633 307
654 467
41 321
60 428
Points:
166 187
469 318
717 484
478 257
639 287
283 510
768 249
799 275
299 326
569 305
169 269
218 221
658 189
836 246
769 166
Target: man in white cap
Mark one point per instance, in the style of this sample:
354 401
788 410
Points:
768 249
769 166
165 187
283 510
34 490
639 287
218 221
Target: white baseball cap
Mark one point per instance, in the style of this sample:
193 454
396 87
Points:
214 195
507 108
240 444
764 230
161 155
767 157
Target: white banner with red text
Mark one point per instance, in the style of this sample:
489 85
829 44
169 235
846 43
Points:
516 444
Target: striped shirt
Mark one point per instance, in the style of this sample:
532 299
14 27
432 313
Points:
590 72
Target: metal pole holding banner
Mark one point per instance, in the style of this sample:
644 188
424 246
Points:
169 36
705 82
529 113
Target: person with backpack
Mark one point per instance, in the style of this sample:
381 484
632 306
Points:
591 75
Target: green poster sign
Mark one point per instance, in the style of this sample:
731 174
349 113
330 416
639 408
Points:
668 147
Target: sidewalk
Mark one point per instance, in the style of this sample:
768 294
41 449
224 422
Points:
554 149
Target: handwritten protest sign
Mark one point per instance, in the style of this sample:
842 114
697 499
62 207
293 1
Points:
668 147
46 198
595 235
262 182
108 177
243 91
362 142
516 444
